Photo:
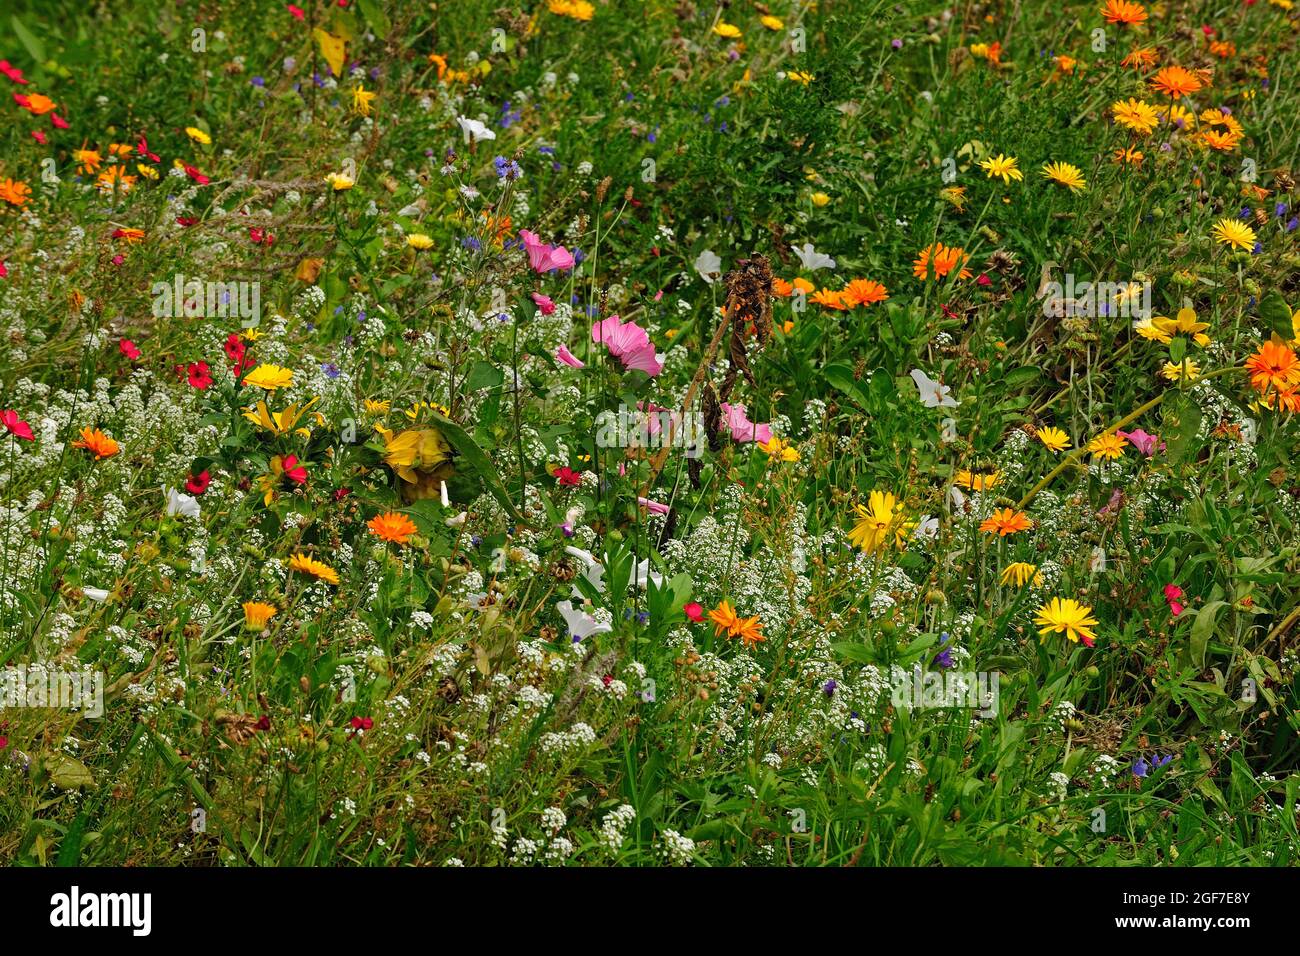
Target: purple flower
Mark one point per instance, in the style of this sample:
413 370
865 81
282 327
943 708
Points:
944 657
258 81
1141 768
896 43
507 169
331 370
829 688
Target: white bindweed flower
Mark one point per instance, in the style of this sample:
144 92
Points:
474 130
96 594
812 259
708 265
933 394
581 624
179 504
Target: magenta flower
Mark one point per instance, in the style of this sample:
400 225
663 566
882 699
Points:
654 507
1147 444
544 303
544 257
742 429
568 358
1173 597
629 343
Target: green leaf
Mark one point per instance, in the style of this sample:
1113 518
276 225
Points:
1182 420
68 773
1276 315
1202 628
34 47
841 377
470 452
373 11
484 375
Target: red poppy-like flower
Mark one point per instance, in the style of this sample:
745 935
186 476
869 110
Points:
342 493
264 723
195 175
261 237
567 477
293 470
15 425
143 149
128 348
12 72
297 12
59 122
40 137
198 375
4 271
694 611
234 347
187 221
1173 597
197 484
362 723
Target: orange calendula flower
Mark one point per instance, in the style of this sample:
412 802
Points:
1006 521
830 299
88 160
392 526
724 618
750 631
936 261
1142 58
864 292
93 440
1274 367
1176 81
1124 12
781 288
317 569
38 104
974 482
115 177
14 192
257 613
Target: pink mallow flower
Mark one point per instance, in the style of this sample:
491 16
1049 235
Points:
568 358
544 257
742 429
544 303
1146 443
629 343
